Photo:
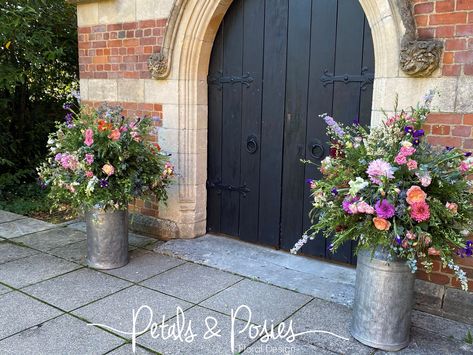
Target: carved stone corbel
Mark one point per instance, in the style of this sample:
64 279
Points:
418 58
159 64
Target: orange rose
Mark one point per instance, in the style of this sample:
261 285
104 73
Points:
115 135
381 224
415 194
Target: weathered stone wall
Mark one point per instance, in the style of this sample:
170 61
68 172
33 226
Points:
117 36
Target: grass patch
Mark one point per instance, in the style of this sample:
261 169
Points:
28 199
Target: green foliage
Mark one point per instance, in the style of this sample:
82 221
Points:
27 200
38 69
469 338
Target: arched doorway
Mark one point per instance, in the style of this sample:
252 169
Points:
275 66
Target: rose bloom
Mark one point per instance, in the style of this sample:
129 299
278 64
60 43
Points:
433 251
89 173
114 135
400 159
415 194
108 169
453 207
381 224
407 151
420 211
411 164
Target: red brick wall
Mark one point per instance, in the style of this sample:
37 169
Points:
452 22
119 50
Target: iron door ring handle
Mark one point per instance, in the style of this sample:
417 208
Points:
317 150
252 144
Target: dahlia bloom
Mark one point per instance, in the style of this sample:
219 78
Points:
379 168
384 209
420 211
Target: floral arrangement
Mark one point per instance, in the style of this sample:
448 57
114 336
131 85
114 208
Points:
101 159
387 187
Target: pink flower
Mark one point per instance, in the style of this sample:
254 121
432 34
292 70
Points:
410 235
89 173
353 208
420 211
433 251
89 158
108 169
405 243
136 136
400 159
123 128
69 161
411 164
89 134
464 167
453 207
407 151
379 168
425 180
114 135
363 207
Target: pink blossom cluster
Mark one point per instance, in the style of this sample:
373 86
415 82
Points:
403 155
67 161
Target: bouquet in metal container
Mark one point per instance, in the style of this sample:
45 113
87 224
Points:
102 159
387 187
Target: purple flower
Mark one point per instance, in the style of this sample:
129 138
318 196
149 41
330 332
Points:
398 239
408 129
384 209
67 106
416 141
467 250
347 202
103 183
334 126
58 157
447 148
418 133
468 154
334 191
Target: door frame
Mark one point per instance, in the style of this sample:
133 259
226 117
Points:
187 47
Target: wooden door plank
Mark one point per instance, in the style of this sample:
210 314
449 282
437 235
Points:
272 124
214 157
231 131
253 32
322 58
349 54
293 186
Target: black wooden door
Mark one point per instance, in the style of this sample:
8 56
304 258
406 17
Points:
275 66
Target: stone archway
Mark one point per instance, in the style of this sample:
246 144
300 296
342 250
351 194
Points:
186 54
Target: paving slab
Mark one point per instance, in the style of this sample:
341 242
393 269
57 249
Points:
19 312
144 264
4 289
62 335
327 316
50 239
141 241
440 326
281 346
10 251
267 303
313 277
6 216
427 343
78 226
116 310
75 252
127 349
76 288
192 282
200 320
35 268
23 226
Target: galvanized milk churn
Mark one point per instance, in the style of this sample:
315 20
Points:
107 238
384 297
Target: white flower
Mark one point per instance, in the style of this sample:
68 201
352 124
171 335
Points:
91 185
357 185
406 144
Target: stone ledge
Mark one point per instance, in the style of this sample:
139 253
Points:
158 228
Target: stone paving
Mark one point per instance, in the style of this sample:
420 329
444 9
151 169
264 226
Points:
50 302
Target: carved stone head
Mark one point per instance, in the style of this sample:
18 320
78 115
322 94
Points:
420 58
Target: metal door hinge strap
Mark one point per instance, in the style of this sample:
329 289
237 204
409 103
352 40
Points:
220 80
243 189
365 78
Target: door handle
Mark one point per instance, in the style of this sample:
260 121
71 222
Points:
251 144
317 150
